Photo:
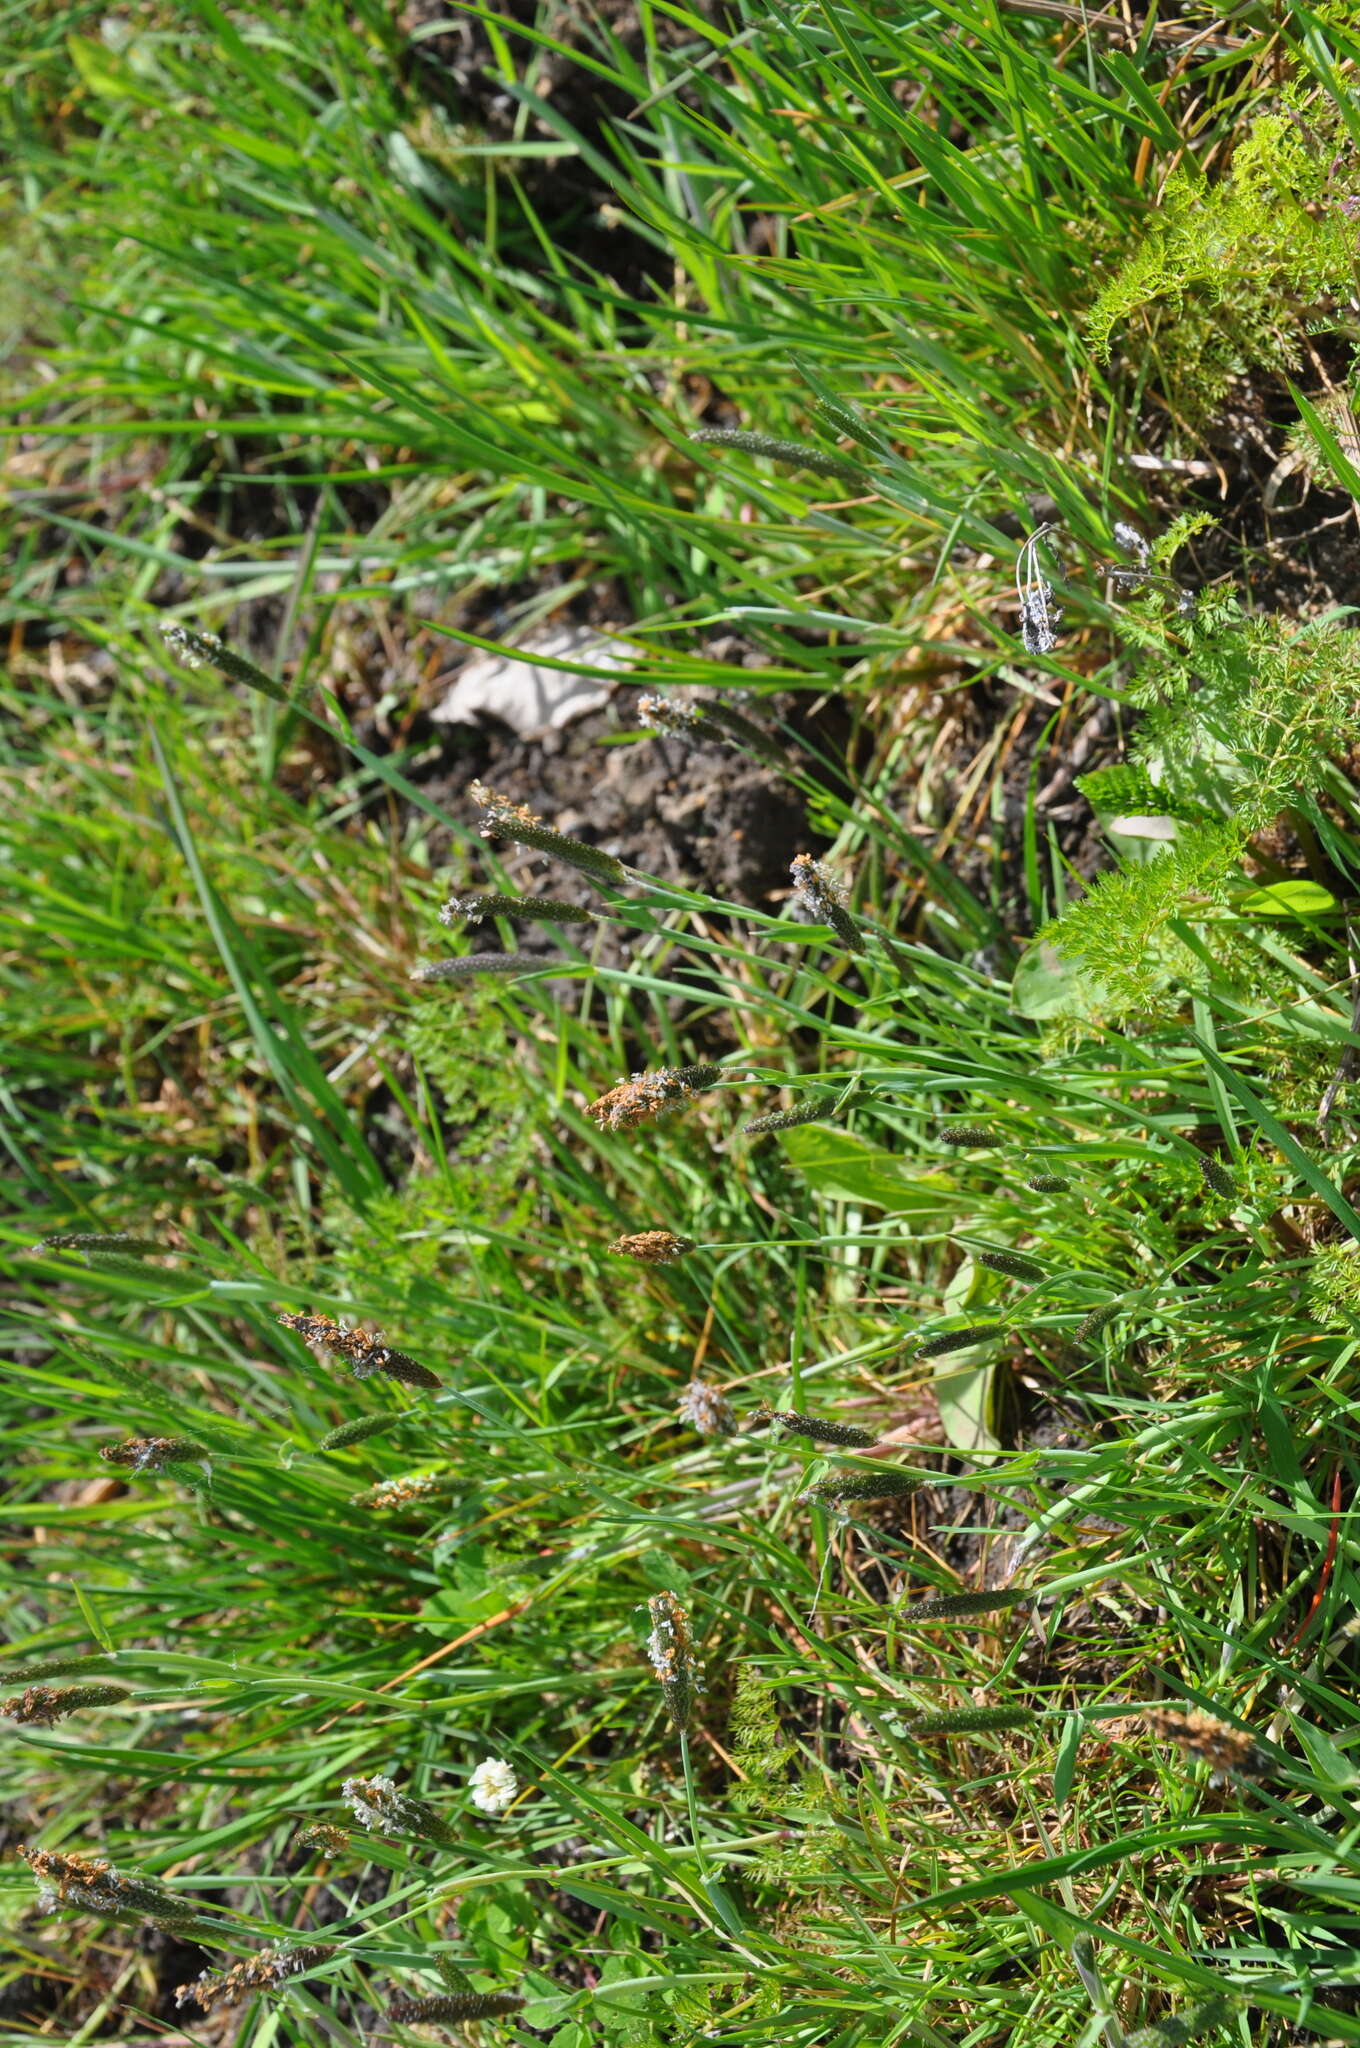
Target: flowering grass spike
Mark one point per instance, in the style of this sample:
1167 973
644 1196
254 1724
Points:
645 1097
43 1706
706 1408
671 1649
504 818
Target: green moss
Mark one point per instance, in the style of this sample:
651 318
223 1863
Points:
1228 273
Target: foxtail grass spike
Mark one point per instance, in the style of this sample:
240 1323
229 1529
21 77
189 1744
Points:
893 1482
154 1453
652 1247
671 1649
1217 1177
707 1409
96 1241
1179 2028
264 1972
377 1804
823 895
645 1097
359 1431
451 2008
451 1975
789 1119
820 1429
970 1137
1091 1325
958 1606
197 650
793 454
42 1706
363 1354
1013 1264
323 1835
55 1667
972 1721
528 909
467 966
717 723
96 1887
508 820
958 1340
1048 1183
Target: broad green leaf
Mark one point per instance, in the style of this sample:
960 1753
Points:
838 1163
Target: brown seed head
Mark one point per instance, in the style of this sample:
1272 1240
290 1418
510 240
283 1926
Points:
1228 1751
271 1967
397 1493
152 1453
45 1705
653 1247
364 1354
645 1097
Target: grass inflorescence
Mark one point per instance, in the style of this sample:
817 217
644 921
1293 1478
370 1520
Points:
851 382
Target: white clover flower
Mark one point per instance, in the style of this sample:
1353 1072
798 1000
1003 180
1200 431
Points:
493 1785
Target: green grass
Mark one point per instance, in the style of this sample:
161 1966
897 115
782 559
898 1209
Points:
317 343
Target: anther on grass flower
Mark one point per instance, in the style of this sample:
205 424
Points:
493 1786
96 1241
671 1649
823 895
957 1340
153 1453
1132 542
958 1606
974 1137
645 1097
715 721
359 1431
1179 2028
531 909
515 821
98 1888
789 1119
264 1972
377 1804
1217 1177
1227 1750
196 649
1048 1183
323 1835
1040 617
363 1354
972 1721
468 965
390 1494
889 1483
453 2007
45 1705
653 1247
193 649
819 1430
706 1408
